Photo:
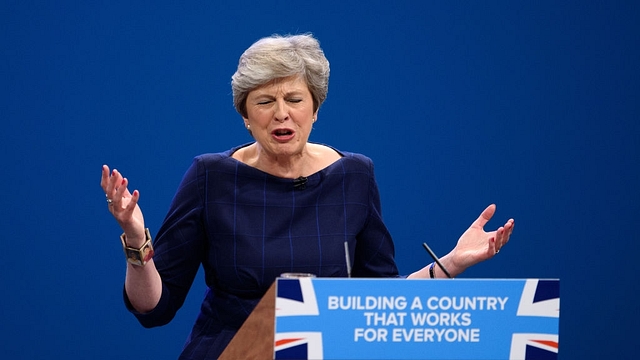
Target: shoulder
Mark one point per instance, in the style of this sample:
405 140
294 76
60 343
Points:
210 159
358 158
350 160
219 159
211 162
357 162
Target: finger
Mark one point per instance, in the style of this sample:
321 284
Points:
115 187
486 215
131 206
493 246
500 241
508 235
114 179
121 189
104 180
508 230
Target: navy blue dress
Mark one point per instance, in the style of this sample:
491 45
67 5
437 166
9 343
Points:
246 227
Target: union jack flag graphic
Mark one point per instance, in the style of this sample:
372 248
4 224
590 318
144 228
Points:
540 298
298 345
524 326
297 297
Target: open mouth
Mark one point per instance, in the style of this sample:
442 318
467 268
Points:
282 133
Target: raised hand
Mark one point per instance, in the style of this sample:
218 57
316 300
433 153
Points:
476 245
123 205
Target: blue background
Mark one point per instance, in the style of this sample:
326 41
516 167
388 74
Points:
531 105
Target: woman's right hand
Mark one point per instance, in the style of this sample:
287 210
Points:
123 205
142 283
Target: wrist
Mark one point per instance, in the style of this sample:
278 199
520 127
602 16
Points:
138 254
452 268
134 241
432 273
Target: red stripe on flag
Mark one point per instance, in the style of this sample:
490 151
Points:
553 344
286 341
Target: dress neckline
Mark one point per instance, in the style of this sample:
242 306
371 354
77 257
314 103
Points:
231 151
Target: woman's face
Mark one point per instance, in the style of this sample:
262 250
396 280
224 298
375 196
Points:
280 116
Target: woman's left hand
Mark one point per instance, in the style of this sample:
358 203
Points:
476 245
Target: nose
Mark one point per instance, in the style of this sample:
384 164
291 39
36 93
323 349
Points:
281 111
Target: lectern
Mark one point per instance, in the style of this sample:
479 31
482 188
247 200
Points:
332 318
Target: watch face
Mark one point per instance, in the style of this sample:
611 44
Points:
147 253
133 255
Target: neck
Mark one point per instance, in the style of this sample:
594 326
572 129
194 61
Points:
280 165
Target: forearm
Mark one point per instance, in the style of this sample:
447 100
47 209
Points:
446 261
142 283
143 286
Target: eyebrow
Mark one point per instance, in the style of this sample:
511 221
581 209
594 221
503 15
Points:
293 92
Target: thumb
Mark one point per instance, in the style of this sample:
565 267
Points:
486 215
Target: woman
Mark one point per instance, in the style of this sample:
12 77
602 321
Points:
279 204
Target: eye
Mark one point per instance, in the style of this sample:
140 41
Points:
264 102
295 101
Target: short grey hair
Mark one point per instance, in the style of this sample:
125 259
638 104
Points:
278 57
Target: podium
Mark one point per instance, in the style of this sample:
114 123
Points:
341 318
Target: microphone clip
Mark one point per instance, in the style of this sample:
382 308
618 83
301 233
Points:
300 183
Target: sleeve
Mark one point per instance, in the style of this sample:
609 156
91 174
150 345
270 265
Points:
375 252
179 247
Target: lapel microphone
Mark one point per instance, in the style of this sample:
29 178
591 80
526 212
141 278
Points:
300 183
